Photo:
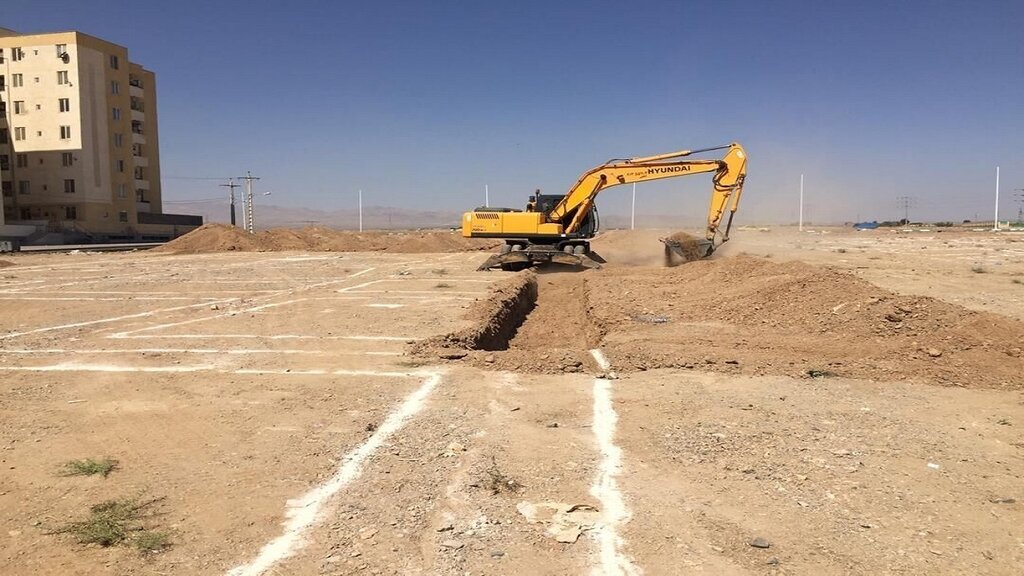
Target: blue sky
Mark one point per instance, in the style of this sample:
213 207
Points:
422 103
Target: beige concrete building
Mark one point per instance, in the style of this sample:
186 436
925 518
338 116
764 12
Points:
79 140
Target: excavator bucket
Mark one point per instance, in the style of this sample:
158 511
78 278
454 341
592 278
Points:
683 248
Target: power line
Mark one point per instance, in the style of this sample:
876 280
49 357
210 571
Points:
906 202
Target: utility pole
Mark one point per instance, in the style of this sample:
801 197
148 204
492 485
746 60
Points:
247 219
996 222
800 226
1020 201
487 197
231 186
632 212
906 202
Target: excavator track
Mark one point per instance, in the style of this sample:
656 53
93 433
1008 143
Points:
535 255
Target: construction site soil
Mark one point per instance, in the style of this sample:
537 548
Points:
223 238
744 315
804 402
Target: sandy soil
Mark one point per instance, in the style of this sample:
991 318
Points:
274 402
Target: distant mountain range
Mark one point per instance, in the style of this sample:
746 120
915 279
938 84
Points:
377 217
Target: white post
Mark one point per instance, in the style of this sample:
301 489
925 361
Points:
801 226
632 215
360 210
487 197
996 222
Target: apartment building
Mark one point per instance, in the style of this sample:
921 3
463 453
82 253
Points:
79 140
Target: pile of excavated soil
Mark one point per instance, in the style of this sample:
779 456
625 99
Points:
220 238
749 315
746 314
6 264
688 245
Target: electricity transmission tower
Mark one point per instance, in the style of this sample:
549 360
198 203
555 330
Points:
905 202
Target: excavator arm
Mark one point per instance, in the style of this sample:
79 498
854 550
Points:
727 183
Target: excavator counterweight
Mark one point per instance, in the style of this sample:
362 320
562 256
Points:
557 228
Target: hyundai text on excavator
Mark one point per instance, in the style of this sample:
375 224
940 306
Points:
557 228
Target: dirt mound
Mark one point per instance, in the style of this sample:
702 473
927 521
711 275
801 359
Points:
753 316
745 314
6 264
210 238
220 238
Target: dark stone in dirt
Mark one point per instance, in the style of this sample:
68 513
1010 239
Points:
1002 500
760 543
773 561
497 553
452 354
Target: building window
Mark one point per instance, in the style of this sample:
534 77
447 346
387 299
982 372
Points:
140 195
134 81
64 104
122 216
137 150
24 187
137 127
67 159
114 62
8 188
65 132
69 186
4 135
136 103
62 49
17 54
5 162
17 80
21 160
120 165
71 213
140 174
19 106
116 113
62 77
3 108
115 87
122 191
1 55
118 140
26 213
2 76
19 134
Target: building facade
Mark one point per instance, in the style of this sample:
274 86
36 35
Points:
79 139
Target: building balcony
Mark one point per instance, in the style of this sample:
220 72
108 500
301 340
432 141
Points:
138 116
140 161
134 90
142 207
138 138
141 184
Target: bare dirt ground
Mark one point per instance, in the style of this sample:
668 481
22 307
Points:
851 403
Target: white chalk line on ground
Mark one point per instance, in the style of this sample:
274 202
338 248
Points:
259 308
303 513
196 351
277 337
76 367
115 319
613 561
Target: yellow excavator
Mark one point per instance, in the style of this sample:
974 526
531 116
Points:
557 228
